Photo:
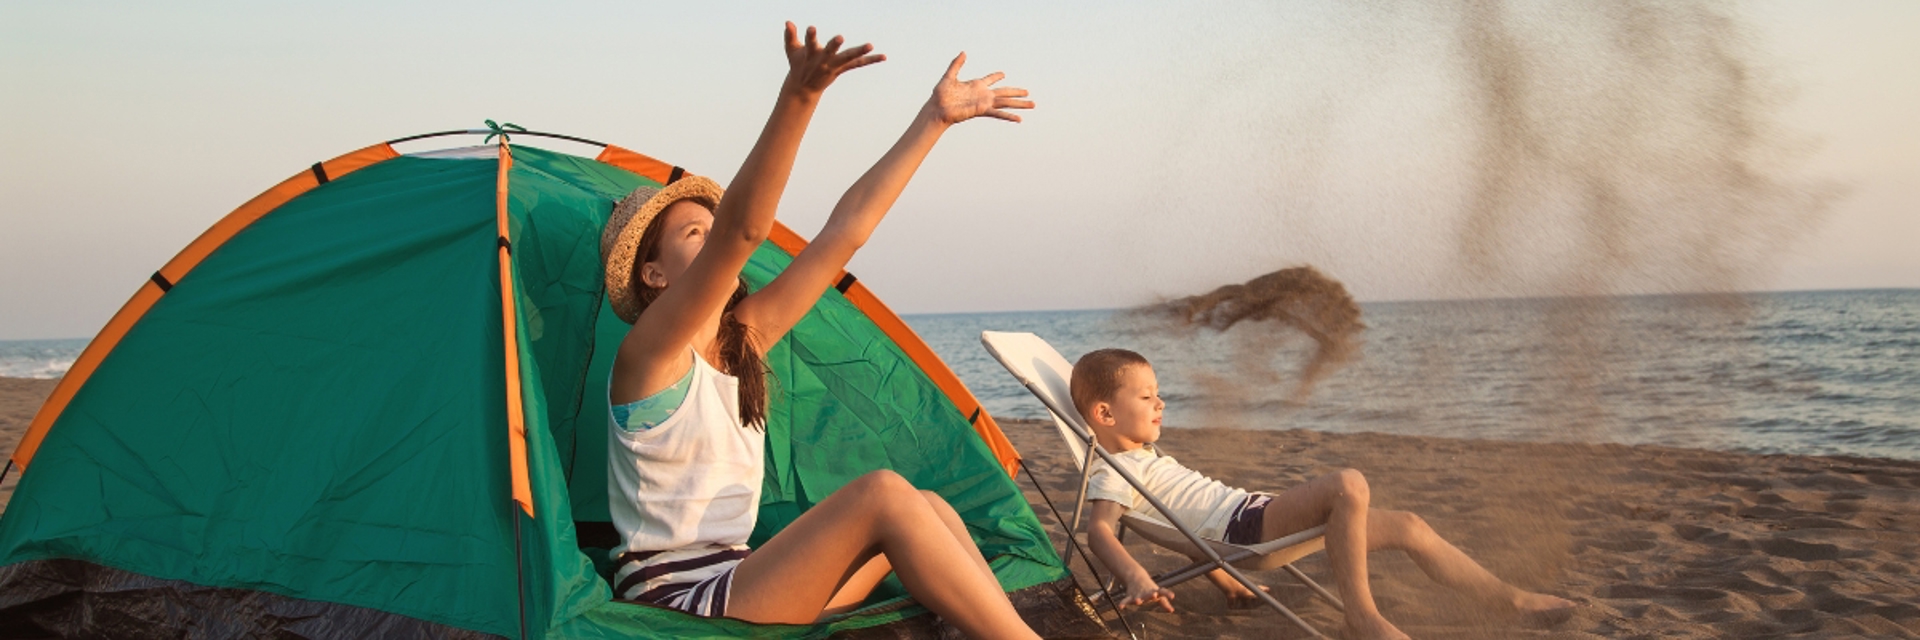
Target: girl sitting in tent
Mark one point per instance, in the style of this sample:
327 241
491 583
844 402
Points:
689 390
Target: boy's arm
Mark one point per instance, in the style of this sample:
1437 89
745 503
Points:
1102 525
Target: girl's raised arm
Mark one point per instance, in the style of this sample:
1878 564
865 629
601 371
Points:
774 310
742 218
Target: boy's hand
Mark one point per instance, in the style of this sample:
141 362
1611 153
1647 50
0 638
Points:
956 101
812 66
1143 592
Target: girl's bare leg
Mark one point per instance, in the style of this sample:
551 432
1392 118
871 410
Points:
861 585
792 577
1448 565
857 587
1338 500
959 528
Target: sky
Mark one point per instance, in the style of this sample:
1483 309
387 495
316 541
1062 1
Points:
1176 147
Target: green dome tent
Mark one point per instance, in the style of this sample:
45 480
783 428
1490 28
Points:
369 402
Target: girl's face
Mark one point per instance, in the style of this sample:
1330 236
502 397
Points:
683 232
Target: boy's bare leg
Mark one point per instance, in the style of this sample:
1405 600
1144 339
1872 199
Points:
1338 500
1237 594
793 576
1448 565
1226 584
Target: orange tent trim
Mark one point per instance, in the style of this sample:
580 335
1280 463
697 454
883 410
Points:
638 163
917 349
175 269
516 417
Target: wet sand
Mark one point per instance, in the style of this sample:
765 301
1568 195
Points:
1654 541
19 399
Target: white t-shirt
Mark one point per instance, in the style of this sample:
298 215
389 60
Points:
1200 502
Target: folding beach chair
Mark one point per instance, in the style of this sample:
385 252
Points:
1045 373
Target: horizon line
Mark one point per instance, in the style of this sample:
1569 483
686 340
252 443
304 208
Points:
1363 302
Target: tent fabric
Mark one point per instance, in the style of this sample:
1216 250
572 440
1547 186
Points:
164 278
317 408
918 351
306 413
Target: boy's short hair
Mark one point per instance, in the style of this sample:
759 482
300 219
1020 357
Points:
1096 377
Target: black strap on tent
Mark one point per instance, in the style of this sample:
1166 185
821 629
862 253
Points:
845 283
677 174
320 172
975 418
506 244
162 282
8 472
519 568
1111 603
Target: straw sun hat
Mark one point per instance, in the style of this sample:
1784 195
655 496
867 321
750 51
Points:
629 220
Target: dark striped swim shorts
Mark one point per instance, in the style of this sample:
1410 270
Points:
695 581
1249 521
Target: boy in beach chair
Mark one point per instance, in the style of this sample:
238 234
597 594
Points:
1116 392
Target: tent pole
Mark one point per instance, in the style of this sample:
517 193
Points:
1075 544
482 132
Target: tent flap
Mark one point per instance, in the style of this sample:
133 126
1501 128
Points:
308 413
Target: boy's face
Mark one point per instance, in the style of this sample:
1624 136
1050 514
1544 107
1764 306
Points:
1134 412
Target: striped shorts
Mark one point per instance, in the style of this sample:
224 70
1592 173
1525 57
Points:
696 581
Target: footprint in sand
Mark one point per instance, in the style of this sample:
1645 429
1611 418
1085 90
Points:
1802 551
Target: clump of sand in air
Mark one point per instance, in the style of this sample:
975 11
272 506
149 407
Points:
1299 299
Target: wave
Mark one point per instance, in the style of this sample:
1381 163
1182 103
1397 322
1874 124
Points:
37 368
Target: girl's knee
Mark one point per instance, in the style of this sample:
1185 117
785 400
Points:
880 500
884 485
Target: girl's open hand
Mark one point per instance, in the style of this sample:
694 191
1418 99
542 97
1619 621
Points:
811 66
955 101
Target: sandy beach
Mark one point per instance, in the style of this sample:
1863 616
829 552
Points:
1654 541
19 399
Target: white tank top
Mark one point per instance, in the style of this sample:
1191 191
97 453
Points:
693 481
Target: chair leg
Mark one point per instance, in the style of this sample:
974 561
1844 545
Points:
1315 586
1268 598
1197 569
1106 590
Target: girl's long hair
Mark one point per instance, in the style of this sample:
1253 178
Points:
737 354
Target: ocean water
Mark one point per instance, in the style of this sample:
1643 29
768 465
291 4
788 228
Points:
1805 372
1832 372
38 358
